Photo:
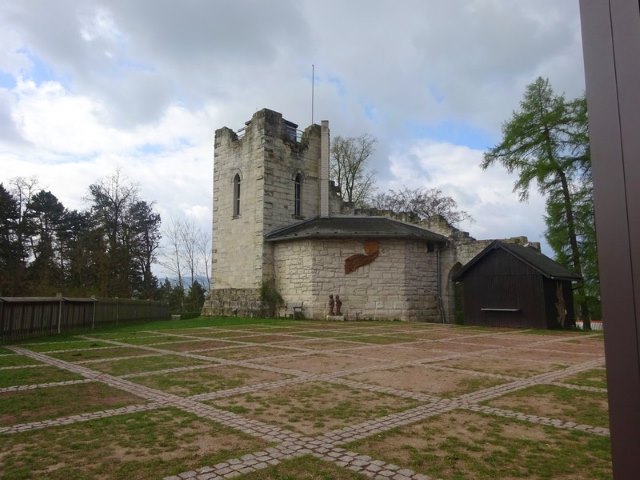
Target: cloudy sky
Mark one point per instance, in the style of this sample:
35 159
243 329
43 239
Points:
89 86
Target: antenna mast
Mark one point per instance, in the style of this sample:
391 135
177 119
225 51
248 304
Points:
313 81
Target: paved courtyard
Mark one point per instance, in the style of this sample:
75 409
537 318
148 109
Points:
302 399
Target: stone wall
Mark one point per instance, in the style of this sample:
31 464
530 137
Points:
230 302
268 156
237 240
400 284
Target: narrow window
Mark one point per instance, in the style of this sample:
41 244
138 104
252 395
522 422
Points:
297 211
236 195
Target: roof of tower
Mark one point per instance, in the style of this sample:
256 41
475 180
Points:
353 227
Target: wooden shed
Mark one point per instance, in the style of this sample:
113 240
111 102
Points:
509 285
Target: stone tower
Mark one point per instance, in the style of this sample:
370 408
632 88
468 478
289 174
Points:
267 176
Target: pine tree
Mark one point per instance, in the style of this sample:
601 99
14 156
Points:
546 142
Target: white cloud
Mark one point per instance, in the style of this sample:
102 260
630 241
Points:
143 85
487 195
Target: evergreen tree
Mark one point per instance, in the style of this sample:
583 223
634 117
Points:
44 219
546 142
9 215
195 298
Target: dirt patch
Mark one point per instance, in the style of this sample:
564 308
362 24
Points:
501 340
152 339
246 353
589 408
382 339
422 379
322 363
549 356
397 353
455 346
592 348
314 408
266 338
467 445
495 364
194 345
207 380
321 344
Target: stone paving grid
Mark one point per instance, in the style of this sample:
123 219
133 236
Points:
327 445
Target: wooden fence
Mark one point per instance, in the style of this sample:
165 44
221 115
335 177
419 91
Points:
22 317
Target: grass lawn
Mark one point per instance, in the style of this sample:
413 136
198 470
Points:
314 408
341 378
138 446
464 445
31 376
46 403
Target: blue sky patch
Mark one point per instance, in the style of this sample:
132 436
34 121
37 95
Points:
41 72
455 132
7 80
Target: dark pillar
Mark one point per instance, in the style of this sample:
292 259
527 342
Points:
611 44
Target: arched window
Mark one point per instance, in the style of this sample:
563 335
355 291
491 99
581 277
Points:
297 194
236 195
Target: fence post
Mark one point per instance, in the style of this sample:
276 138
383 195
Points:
93 313
117 311
59 295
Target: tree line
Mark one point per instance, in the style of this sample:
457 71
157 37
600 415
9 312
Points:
106 250
545 143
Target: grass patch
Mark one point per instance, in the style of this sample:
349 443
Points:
53 402
190 345
137 446
304 468
17 360
145 364
95 354
314 408
382 339
590 378
590 408
146 340
68 345
206 380
465 445
31 376
246 353
327 334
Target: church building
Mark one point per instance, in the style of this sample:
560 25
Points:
280 228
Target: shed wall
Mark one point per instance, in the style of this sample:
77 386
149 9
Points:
501 291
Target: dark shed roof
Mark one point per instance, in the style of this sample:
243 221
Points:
528 255
353 227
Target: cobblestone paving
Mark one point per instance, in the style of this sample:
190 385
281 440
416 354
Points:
327 446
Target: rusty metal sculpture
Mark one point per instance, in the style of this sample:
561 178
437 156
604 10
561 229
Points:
371 252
